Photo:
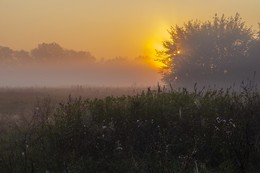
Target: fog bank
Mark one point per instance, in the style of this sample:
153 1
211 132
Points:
50 65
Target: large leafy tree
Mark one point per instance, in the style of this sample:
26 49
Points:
207 52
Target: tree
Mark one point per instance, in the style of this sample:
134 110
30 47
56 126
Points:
206 52
53 51
6 55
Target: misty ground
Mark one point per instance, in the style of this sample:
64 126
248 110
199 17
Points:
17 101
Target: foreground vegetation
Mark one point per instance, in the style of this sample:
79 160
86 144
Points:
174 131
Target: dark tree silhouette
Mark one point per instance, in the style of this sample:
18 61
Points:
10 56
53 51
208 52
6 54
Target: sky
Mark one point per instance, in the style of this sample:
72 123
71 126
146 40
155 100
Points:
108 28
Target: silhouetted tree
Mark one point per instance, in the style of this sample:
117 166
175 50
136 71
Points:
53 51
207 52
6 54
10 56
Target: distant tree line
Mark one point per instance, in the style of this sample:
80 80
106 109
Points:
219 51
44 52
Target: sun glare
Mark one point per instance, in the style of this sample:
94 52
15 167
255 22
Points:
155 43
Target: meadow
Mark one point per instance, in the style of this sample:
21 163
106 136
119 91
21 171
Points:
17 101
129 130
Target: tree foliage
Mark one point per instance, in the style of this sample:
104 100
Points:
43 52
222 49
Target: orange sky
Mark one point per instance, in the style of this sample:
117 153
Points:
107 28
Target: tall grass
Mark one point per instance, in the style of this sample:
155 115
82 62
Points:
176 131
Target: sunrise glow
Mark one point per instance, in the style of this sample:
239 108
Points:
102 31
155 43
129 86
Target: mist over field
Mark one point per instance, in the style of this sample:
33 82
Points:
50 65
129 86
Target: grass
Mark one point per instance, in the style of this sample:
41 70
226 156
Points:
175 131
16 101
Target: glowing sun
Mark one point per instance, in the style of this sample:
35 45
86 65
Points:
155 43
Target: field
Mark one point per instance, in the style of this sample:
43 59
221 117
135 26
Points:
16 101
83 129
